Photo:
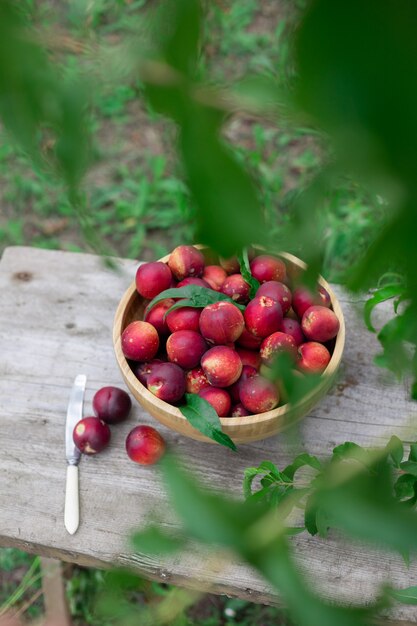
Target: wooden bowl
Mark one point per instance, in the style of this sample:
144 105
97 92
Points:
240 429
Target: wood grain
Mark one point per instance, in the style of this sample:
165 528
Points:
54 596
56 315
240 429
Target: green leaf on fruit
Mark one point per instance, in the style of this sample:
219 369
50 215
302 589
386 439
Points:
246 273
193 296
204 418
294 385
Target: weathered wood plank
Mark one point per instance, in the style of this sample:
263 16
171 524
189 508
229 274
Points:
56 313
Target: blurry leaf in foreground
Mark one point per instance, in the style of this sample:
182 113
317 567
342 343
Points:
405 487
154 541
392 336
37 103
123 580
351 91
259 93
405 596
354 59
353 452
114 600
294 386
361 504
176 32
395 449
206 515
306 609
259 538
229 215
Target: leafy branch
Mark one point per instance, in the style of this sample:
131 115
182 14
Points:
256 531
283 489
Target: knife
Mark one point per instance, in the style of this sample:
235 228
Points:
74 414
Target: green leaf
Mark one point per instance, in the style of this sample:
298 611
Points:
413 452
268 466
351 450
38 101
249 476
204 418
361 504
276 496
392 337
322 523
405 555
263 494
405 486
271 476
207 516
405 596
381 295
246 273
410 467
260 93
306 609
295 386
153 541
222 521
300 461
195 296
120 580
181 45
399 300
230 215
310 516
179 305
395 449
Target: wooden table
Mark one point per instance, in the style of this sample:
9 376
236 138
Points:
56 313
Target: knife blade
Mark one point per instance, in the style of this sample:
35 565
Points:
74 414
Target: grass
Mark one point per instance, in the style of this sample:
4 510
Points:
136 196
139 204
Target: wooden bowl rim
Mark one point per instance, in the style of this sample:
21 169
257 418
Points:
258 418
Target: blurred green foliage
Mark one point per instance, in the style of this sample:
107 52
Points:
347 82
135 192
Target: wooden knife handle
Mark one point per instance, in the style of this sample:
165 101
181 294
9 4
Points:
72 509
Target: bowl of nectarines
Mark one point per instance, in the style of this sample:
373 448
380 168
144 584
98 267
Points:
191 323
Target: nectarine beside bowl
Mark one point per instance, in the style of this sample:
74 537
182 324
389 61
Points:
240 429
